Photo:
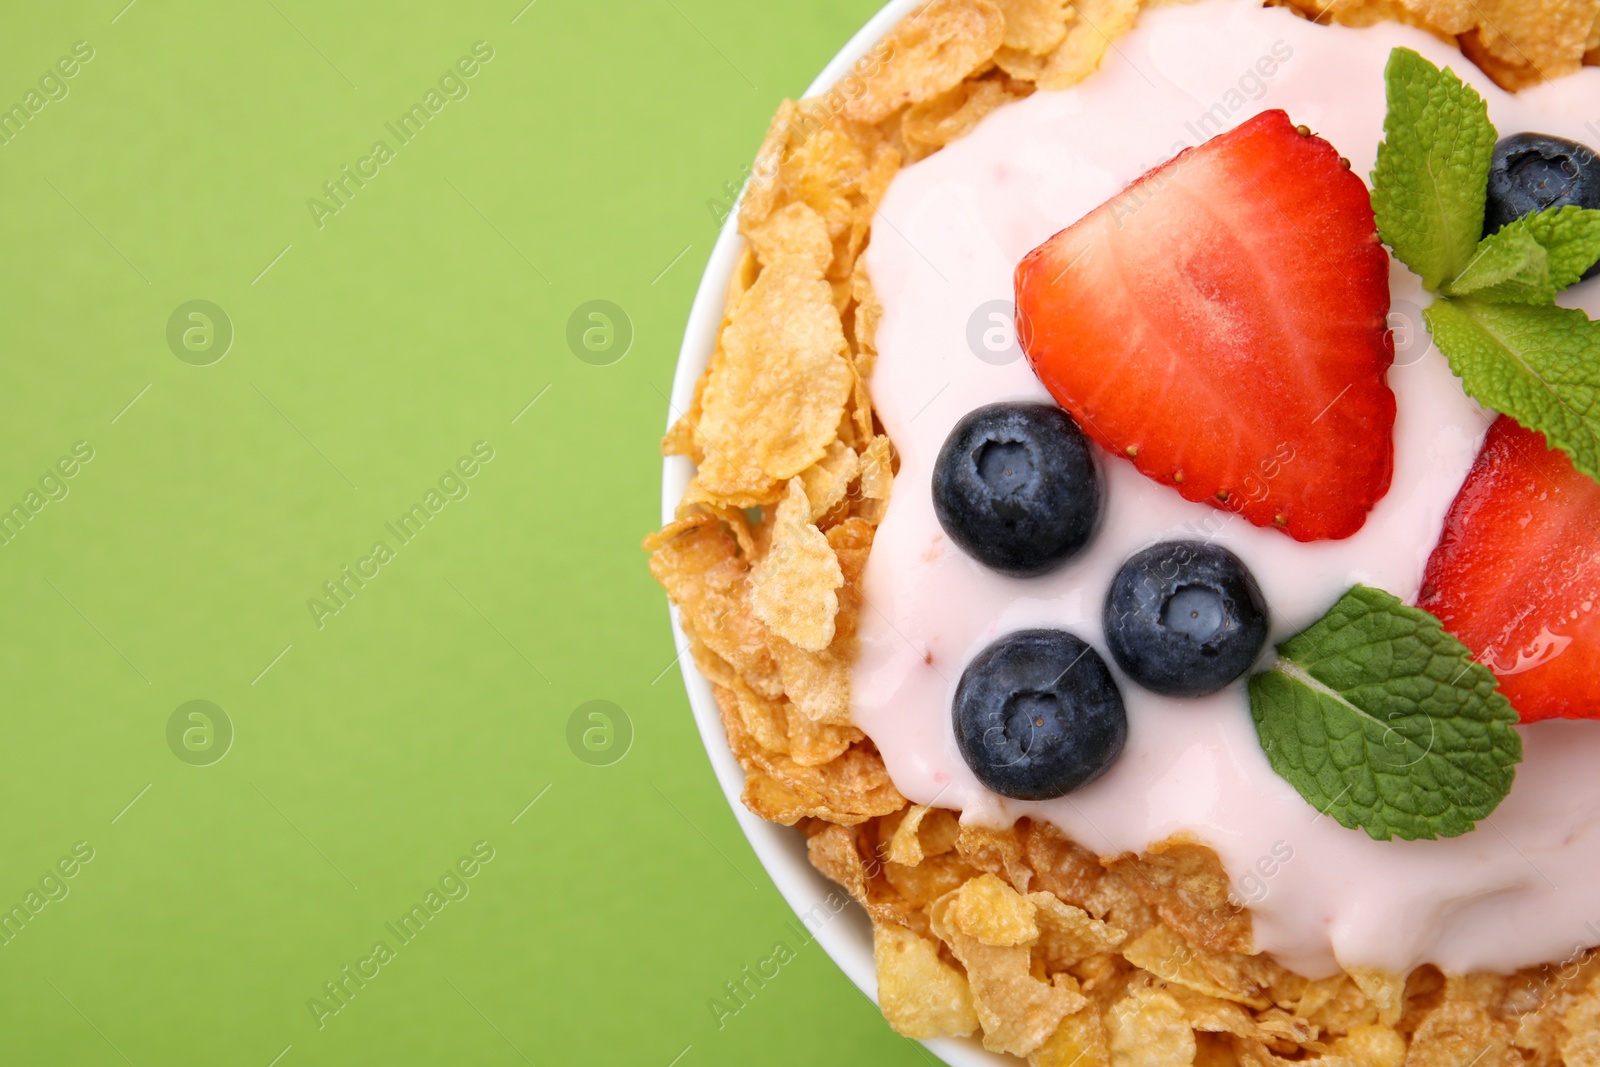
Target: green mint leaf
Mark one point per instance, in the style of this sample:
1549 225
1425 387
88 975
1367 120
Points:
1382 720
1540 365
1571 235
1432 177
1509 267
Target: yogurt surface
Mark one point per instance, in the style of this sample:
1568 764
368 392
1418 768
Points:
1517 891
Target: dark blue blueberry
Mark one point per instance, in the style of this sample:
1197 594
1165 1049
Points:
1531 172
1038 715
1185 618
1016 487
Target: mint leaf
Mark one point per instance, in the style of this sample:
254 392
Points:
1571 235
1540 365
1382 720
1509 267
1513 350
1432 177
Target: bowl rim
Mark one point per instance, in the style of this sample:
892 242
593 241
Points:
847 936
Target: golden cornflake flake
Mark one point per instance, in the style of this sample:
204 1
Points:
921 995
1035 26
1149 1029
1549 37
934 123
1170 958
1580 1046
1069 935
828 480
1095 24
1080 1041
1017 1010
991 911
937 46
1371 1046
793 587
773 404
792 230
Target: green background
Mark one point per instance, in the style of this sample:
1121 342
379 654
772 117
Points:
368 355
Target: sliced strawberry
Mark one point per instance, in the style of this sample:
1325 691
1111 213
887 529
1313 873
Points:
1223 323
1516 575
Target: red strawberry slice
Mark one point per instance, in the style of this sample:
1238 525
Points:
1516 575
1223 323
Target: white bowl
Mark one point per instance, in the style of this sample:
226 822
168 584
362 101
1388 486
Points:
847 937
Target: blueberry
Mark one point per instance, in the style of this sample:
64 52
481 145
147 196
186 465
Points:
1037 715
1016 487
1531 172
1185 618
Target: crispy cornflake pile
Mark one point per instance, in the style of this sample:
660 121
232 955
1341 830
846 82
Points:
1518 43
1020 937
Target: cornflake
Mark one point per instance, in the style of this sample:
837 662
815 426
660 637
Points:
772 405
793 587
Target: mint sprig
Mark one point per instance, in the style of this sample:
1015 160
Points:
1494 320
1432 178
1383 721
